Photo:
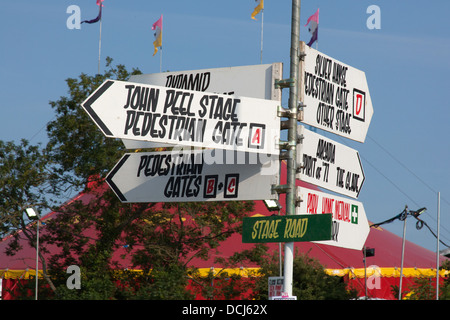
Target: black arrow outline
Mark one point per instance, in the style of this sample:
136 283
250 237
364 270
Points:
88 103
362 171
111 175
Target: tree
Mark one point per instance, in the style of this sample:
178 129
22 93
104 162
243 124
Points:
444 289
310 282
160 240
78 149
23 184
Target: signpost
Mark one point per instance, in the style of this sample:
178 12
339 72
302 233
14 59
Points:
292 228
188 118
236 109
350 225
336 95
330 165
193 175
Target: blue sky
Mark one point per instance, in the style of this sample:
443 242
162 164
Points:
407 151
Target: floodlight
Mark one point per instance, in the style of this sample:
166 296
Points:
369 252
417 213
32 214
272 205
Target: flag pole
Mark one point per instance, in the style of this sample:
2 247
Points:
161 52
100 43
437 243
160 60
262 32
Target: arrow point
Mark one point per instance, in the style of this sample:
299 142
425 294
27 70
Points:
87 105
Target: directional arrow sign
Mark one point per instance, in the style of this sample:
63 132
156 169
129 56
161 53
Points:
136 111
330 165
336 96
350 225
194 175
254 81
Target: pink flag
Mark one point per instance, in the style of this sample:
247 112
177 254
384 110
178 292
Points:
314 17
157 26
100 2
313 22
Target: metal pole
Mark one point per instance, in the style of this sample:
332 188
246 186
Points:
403 255
262 32
292 139
37 260
99 44
160 59
160 50
437 245
365 273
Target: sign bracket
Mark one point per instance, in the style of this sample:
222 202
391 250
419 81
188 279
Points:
284 83
281 188
288 113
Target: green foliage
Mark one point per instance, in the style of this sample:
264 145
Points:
77 147
421 289
23 183
159 240
312 283
167 283
444 289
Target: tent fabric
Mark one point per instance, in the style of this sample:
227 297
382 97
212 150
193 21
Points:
386 272
203 272
346 263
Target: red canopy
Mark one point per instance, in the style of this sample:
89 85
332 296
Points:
338 261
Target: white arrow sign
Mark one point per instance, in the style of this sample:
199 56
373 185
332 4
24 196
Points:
254 81
329 165
350 225
336 96
136 111
194 175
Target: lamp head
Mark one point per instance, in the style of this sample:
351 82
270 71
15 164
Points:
272 205
418 212
33 215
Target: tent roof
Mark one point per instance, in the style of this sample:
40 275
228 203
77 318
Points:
387 247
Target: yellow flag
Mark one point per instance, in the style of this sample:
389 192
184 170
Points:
258 8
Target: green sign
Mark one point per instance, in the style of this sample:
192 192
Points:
293 228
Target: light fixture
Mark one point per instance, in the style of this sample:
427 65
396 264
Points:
272 205
33 215
417 213
401 216
369 252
